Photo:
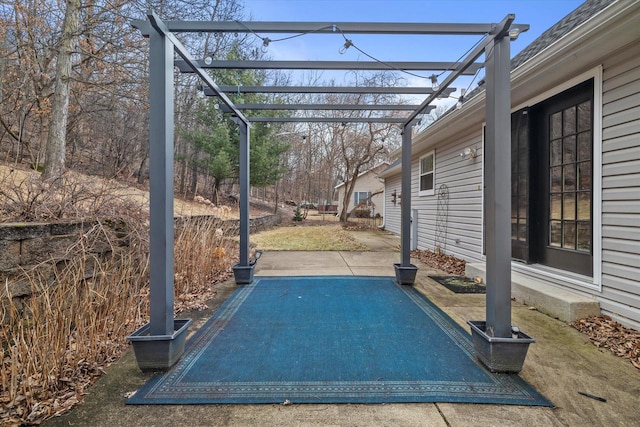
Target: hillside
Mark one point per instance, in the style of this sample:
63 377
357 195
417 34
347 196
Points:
21 186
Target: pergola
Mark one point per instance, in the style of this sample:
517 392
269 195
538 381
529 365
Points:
495 45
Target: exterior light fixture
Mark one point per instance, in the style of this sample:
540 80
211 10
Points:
208 60
461 99
514 33
434 82
265 44
469 152
347 44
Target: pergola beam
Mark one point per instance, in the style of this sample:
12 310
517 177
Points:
466 63
343 107
326 119
189 63
327 65
275 27
402 90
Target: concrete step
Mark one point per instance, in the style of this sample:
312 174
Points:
549 299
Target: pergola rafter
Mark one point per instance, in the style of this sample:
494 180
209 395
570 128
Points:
345 120
469 69
401 90
284 27
494 45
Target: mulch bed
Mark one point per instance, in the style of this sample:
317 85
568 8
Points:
607 333
461 284
448 263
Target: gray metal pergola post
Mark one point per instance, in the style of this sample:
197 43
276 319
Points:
498 188
160 343
501 347
243 271
161 183
405 226
405 271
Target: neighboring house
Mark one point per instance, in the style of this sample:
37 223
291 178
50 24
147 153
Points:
575 163
368 191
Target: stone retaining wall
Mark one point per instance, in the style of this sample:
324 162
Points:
43 246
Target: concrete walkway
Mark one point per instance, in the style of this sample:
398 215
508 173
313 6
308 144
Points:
561 363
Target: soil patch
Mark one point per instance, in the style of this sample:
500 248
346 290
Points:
460 284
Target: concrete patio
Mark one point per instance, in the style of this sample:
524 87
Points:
560 364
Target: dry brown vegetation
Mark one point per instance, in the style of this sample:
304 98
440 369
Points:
25 197
442 261
55 343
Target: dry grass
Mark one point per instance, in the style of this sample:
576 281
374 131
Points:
55 343
203 255
307 238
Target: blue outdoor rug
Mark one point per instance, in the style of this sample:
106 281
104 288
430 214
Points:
344 339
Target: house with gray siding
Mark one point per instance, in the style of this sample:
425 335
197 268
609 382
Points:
575 211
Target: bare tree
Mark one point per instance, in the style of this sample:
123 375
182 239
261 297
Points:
360 148
55 148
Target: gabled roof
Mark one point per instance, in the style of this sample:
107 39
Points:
374 169
567 24
397 164
560 29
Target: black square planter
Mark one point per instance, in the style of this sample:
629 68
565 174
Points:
405 275
243 274
159 352
499 354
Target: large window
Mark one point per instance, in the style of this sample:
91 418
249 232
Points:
551 181
427 174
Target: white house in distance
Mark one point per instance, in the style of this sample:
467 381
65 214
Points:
575 189
369 190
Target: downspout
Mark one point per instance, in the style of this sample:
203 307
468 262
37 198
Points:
384 203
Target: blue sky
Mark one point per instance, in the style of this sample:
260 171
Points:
540 14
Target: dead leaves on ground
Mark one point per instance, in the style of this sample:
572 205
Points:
442 261
607 333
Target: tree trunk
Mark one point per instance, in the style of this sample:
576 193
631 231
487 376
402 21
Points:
193 188
55 148
349 186
275 191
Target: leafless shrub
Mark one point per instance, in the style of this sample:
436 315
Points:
203 256
26 197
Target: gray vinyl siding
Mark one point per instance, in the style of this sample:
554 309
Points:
463 218
392 212
620 296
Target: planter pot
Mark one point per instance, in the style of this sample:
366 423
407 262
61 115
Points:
159 352
243 273
405 275
499 354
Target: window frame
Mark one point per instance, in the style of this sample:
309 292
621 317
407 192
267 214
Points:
431 191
